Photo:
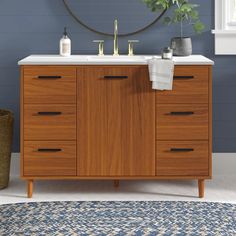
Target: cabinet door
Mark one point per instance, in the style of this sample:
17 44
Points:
116 121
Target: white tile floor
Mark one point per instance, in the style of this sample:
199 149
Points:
222 188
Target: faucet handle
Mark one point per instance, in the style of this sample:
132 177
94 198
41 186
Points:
100 47
131 46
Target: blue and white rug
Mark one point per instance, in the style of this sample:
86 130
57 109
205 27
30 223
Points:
118 218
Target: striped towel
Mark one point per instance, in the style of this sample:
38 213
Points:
161 73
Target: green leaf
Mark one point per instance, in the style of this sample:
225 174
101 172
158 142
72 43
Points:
199 27
194 14
185 8
183 12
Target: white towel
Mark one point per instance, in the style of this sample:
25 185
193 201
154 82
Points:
161 73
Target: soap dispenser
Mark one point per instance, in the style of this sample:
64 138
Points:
65 45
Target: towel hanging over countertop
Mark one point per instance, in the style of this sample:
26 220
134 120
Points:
161 73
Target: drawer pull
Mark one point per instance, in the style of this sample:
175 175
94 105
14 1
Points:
49 113
183 77
116 77
181 113
49 150
181 149
49 77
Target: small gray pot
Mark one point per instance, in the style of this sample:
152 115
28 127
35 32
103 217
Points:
181 46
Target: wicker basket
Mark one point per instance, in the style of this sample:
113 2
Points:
6 134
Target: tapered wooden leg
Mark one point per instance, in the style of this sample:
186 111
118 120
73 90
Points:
201 188
116 183
30 188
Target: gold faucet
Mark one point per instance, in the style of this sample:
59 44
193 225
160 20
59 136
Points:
100 47
116 46
131 47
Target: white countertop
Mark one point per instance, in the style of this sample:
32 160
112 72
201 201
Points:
108 60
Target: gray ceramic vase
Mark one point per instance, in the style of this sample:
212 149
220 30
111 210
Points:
181 46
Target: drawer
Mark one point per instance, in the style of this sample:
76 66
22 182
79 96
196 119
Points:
49 122
190 86
182 122
182 158
49 158
44 84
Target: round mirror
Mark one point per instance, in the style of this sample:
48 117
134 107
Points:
98 15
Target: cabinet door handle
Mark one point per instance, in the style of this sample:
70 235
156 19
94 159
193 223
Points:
49 113
49 77
116 77
181 149
181 113
183 77
49 150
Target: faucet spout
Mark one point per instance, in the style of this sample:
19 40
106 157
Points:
116 47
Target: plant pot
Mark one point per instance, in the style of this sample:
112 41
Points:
6 133
182 46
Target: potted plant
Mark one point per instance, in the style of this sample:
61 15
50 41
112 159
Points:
185 14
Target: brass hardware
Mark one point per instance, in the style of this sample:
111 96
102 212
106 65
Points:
100 47
116 47
131 46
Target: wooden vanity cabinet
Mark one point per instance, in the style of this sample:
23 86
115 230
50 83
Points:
106 122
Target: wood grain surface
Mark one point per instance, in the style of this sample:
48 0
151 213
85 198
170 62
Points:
61 126
174 124
187 90
193 160
49 163
116 118
49 90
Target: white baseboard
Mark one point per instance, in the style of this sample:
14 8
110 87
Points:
223 163
15 155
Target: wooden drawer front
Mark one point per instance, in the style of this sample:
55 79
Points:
49 158
190 86
182 122
49 84
182 158
49 122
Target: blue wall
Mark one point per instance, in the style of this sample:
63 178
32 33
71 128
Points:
35 27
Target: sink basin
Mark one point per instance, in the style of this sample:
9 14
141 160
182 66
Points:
120 59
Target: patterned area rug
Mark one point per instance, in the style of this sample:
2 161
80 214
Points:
118 218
